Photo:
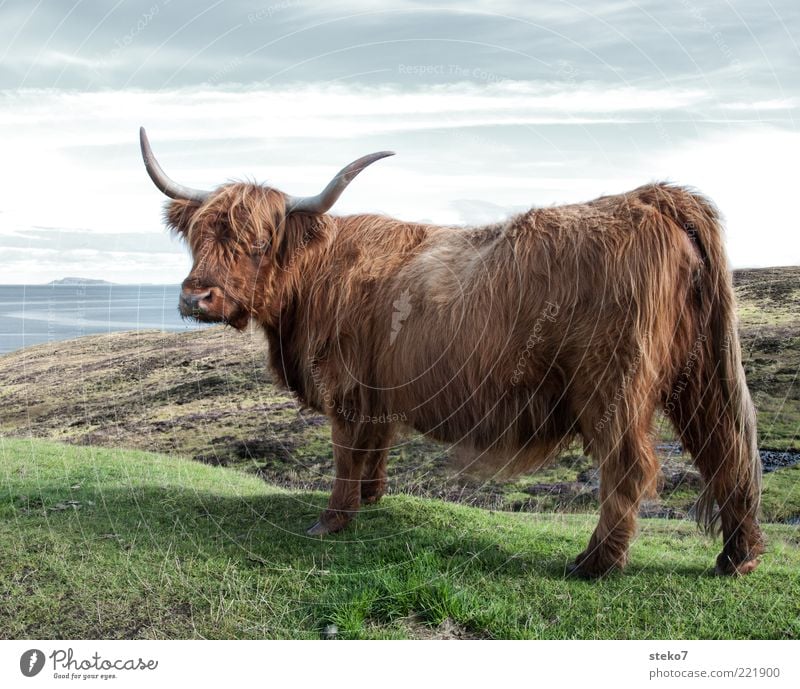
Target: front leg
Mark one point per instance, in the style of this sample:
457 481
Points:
358 449
373 480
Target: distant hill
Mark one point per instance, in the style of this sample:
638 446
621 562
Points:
79 281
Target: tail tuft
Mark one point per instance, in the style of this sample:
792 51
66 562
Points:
724 410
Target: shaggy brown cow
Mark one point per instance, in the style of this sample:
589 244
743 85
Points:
505 341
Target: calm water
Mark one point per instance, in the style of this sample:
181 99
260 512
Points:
32 314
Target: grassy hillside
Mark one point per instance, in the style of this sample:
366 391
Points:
100 543
769 314
207 395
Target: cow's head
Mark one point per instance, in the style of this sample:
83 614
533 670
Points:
239 235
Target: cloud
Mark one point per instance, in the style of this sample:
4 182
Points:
491 106
40 264
467 153
767 105
751 175
165 43
350 110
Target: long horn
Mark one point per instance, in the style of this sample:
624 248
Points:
323 201
160 179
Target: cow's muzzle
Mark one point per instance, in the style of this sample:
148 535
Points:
194 302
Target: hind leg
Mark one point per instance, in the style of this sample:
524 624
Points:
742 538
628 470
733 485
737 505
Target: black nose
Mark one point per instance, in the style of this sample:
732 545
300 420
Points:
192 301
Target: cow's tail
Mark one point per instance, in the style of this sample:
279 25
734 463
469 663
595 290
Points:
716 418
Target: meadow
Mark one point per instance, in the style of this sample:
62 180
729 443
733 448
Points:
104 543
157 485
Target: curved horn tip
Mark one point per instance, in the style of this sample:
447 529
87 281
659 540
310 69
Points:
163 183
144 146
322 202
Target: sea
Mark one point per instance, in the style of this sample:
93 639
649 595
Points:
34 314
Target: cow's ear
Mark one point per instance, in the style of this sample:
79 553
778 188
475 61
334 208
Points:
178 214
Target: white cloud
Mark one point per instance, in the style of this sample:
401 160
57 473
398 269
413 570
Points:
767 105
39 264
60 59
105 116
467 153
752 177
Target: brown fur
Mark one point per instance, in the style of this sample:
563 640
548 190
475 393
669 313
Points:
505 341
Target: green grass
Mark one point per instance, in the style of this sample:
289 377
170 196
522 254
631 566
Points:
780 498
102 543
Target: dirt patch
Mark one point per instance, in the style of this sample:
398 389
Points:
448 629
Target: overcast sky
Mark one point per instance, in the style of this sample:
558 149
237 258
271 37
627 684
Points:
492 107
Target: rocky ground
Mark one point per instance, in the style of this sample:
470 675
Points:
208 395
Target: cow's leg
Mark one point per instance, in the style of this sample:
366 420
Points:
355 447
628 470
373 480
724 449
738 505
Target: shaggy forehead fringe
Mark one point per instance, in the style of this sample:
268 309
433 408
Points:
239 212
